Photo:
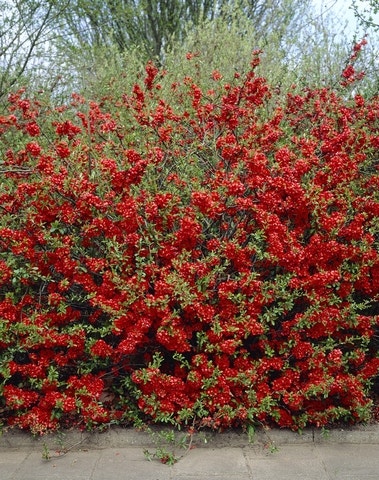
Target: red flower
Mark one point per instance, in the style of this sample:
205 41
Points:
151 73
33 148
67 128
19 398
62 150
33 129
101 349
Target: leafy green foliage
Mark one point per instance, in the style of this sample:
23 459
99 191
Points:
204 258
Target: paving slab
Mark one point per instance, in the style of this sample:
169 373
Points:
289 462
129 464
10 462
342 455
76 466
214 463
350 462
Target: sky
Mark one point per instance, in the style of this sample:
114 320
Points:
340 8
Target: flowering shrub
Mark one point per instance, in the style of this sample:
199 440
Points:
208 258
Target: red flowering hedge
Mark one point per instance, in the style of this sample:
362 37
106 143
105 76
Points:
209 259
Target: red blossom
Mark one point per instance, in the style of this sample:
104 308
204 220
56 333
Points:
68 129
62 150
203 256
33 148
151 73
101 349
33 129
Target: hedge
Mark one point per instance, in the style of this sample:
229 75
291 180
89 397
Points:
205 257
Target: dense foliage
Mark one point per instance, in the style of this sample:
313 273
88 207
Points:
81 45
155 26
207 257
62 46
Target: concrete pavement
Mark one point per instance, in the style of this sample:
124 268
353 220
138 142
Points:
351 454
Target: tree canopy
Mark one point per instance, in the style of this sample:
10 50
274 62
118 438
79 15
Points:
60 46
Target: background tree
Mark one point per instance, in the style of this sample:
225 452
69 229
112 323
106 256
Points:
25 32
299 47
97 46
102 41
154 25
365 12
